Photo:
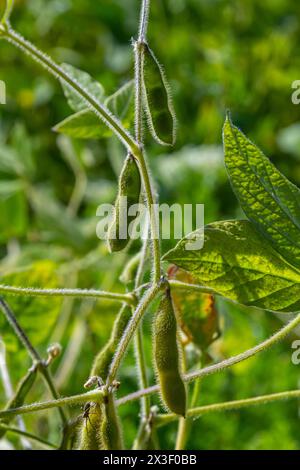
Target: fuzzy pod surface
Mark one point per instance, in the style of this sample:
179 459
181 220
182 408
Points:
166 356
128 194
111 433
90 432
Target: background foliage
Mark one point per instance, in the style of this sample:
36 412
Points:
241 55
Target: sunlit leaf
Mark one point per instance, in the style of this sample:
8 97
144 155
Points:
238 263
270 201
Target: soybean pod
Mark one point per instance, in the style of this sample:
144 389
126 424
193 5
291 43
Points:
158 103
111 435
104 357
128 195
90 434
166 355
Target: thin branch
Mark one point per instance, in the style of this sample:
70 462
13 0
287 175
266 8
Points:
130 330
78 293
230 405
54 69
220 366
178 285
94 395
28 435
19 331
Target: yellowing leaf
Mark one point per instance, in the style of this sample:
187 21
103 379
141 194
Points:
197 313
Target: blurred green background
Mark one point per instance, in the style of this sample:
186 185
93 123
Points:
241 55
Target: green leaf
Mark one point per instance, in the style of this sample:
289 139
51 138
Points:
13 210
270 201
86 125
36 315
121 103
93 87
157 100
238 263
83 125
20 395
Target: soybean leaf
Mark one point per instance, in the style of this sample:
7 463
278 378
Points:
83 125
120 103
158 103
238 263
13 209
270 201
86 125
36 315
93 87
197 314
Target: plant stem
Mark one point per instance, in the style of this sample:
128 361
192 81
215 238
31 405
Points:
130 330
230 405
31 351
94 395
220 366
278 336
54 69
139 72
27 435
79 293
178 285
19 331
141 363
153 216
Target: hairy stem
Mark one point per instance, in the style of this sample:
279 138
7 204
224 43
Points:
130 330
94 395
79 293
28 435
54 69
230 405
220 366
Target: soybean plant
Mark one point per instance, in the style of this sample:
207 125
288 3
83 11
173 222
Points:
255 262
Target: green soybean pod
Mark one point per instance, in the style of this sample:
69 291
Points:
111 434
158 103
128 195
104 357
90 432
166 355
